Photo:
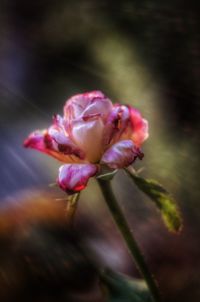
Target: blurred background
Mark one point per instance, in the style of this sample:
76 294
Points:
145 53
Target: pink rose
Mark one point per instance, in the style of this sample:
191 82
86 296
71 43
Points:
92 132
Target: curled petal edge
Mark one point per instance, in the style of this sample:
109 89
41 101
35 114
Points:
43 141
117 123
73 178
121 155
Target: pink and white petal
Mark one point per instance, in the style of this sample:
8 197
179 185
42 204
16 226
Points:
58 135
36 140
74 177
86 104
58 130
121 155
88 136
97 105
117 123
58 120
139 127
75 106
41 141
63 143
44 142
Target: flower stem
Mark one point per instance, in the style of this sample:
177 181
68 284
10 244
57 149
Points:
132 245
71 208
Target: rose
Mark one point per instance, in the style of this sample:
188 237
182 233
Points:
93 132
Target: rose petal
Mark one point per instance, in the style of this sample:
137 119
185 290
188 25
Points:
63 143
102 106
86 104
74 177
54 143
121 154
58 120
139 127
88 136
116 124
41 141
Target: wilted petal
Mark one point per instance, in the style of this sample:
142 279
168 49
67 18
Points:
139 127
63 143
121 154
74 177
57 131
88 136
117 123
52 142
39 140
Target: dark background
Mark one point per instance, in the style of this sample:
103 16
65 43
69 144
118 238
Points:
145 53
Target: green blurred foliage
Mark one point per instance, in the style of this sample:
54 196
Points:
163 200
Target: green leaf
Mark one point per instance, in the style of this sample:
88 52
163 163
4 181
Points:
120 288
163 200
107 175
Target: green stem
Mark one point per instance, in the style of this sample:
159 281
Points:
132 245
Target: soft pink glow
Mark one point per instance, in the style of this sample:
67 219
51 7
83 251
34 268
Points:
92 131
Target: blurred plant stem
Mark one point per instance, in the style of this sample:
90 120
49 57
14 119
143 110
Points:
72 203
132 245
